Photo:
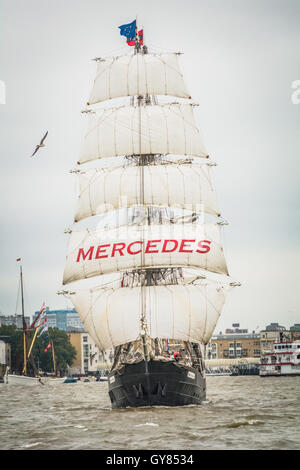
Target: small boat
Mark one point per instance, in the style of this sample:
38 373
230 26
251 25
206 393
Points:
70 380
14 379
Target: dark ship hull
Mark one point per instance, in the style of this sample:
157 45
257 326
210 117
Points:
165 384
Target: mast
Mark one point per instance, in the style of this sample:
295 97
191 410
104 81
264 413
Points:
24 324
143 323
53 358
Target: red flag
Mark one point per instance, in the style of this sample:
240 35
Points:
48 347
131 41
141 36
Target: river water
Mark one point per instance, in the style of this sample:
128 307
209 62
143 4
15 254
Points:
243 412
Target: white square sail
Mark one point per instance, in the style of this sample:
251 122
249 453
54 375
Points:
129 130
139 74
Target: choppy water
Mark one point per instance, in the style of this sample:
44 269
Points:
240 413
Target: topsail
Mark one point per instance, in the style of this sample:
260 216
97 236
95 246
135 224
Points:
172 185
142 130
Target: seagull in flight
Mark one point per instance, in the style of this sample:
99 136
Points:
41 144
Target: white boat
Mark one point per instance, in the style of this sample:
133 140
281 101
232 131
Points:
284 360
15 379
25 380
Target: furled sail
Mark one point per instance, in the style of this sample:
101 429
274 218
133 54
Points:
181 186
129 130
187 312
139 74
95 252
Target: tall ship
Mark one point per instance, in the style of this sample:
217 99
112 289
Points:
146 272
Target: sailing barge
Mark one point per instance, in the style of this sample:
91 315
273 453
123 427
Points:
155 252
25 378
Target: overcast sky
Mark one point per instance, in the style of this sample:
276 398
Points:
240 60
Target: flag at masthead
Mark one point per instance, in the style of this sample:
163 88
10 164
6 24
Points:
132 35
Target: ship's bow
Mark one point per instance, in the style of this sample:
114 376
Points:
159 384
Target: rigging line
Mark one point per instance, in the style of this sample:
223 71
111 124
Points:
100 119
106 315
206 297
173 109
158 48
89 315
18 295
215 191
183 181
169 289
206 175
105 286
205 321
120 50
177 70
112 118
190 311
89 194
109 78
146 73
27 297
186 123
107 68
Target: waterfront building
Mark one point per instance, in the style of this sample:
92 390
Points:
273 332
13 320
89 359
236 343
63 319
239 343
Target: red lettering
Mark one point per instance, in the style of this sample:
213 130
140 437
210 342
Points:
133 252
182 246
120 250
164 248
205 245
149 245
99 250
89 253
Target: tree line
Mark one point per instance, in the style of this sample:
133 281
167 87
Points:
63 357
